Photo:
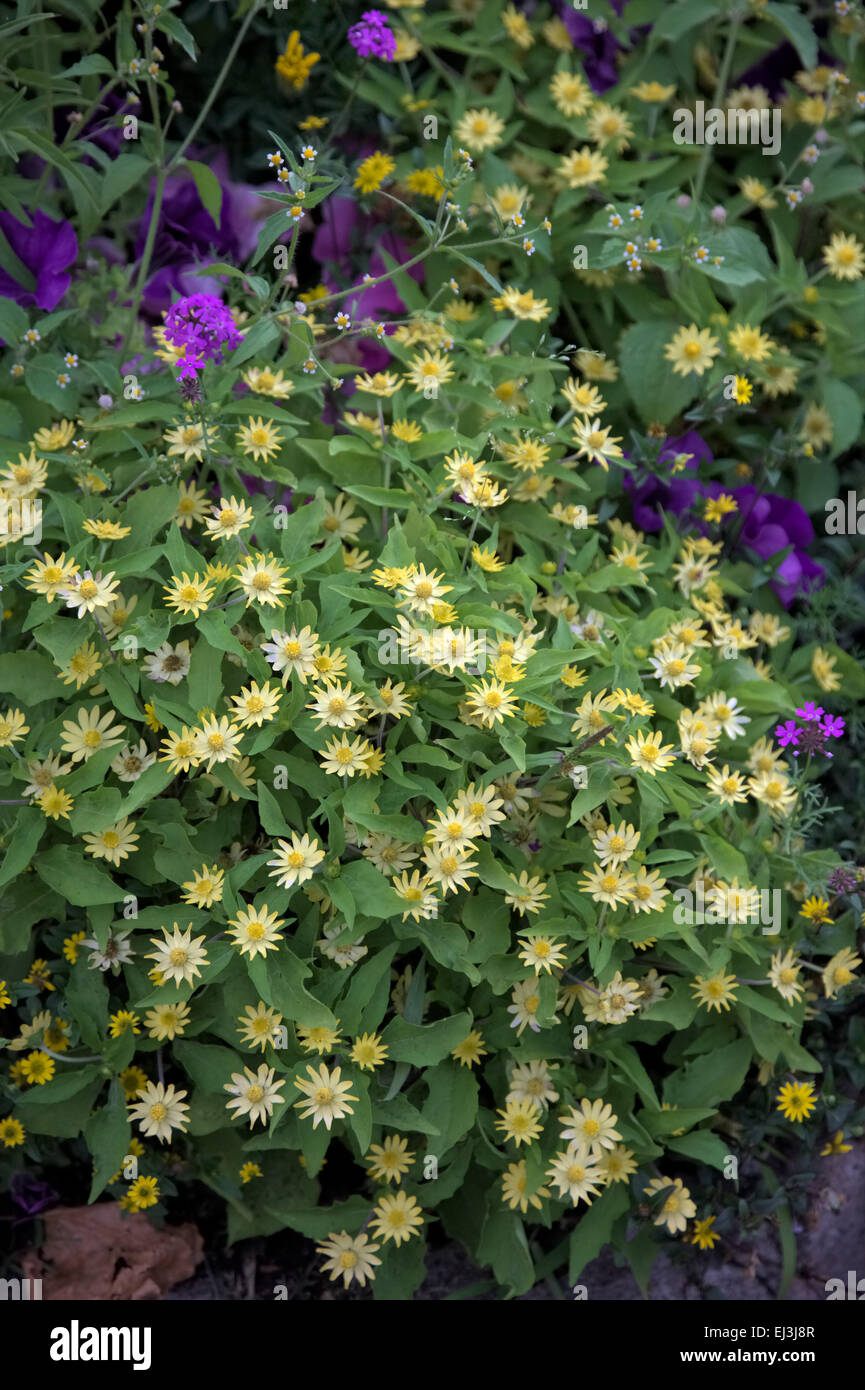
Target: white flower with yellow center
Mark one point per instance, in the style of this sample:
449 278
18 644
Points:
295 860
88 591
255 1093
416 892
292 653
260 441
159 1111
448 868
229 519
336 706
616 844
677 1207
422 589
349 1257
648 891
114 844
205 887
261 579
339 519
576 1175
255 705
260 1026
90 733
178 957
326 1097
217 741
591 1127
256 931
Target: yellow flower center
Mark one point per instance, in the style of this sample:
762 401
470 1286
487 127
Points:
649 752
191 435
347 1260
423 589
692 348
177 955
88 588
158 1112
111 839
609 883
449 864
788 976
617 844
255 931
227 517
531 1004
324 1095
262 581
344 756
255 1094
591 1127
216 742
255 704
260 437
92 738
52 574
337 705
729 784
189 593
293 650
576 1173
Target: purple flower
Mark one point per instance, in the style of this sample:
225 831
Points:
45 249
787 733
188 238
769 523
31 1195
810 711
204 326
833 726
373 37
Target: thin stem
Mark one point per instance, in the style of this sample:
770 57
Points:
216 88
720 88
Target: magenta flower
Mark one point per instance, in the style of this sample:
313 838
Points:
833 726
810 711
373 37
787 733
204 326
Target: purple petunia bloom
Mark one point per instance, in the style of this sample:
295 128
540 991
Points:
46 249
787 733
810 711
204 326
187 236
31 1195
373 37
769 523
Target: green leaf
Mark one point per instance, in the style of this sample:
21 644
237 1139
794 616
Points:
676 20
711 1079
592 1232
703 1146
425 1044
402 1273
81 883
452 1105
279 981
107 1133
174 27
87 996
13 322
504 1247
209 188
656 391
23 840
797 28
845 410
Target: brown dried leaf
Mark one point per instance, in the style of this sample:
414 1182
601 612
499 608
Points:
102 1253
